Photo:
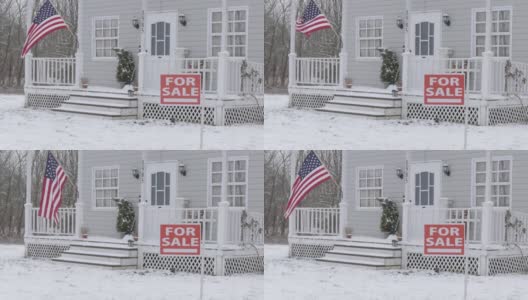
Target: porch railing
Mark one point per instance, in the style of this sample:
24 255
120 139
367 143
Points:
315 221
316 71
65 225
220 225
245 77
52 71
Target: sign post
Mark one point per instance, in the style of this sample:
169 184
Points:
183 240
183 89
447 89
447 240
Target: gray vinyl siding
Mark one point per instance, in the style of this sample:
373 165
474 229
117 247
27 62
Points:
192 187
456 187
192 37
457 37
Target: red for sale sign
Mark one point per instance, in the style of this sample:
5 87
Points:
180 239
444 89
444 239
181 89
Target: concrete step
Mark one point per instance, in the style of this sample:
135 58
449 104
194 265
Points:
93 263
385 259
99 108
121 101
377 109
107 249
360 263
361 113
374 102
99 257
369 249
88 113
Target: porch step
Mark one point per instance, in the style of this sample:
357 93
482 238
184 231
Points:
372 106
365 254
104 105
109 255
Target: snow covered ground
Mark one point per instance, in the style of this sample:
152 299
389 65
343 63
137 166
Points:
291 279
288 128
27 278
23 128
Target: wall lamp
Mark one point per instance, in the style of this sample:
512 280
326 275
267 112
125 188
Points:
182 169
399 173
135 173
135 22
446 169
183 20
399 22
447 19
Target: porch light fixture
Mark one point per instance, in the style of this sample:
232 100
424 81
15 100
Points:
135 22
135 173
447 19
182 169
446 169
183 20
399 22
399 173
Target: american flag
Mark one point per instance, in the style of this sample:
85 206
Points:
46 22
312 20
311 174
52 185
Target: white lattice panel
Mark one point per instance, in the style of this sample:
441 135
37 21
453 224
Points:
508 264
309 100
507 114
46 248
190 264
179 113
244 115
439 113
309 250
455 264
45 100
243 264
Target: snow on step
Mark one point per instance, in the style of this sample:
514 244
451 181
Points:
360 263
372 106
111 255
103 105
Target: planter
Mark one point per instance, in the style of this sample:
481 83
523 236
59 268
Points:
85 236
349 236
85 85
348 83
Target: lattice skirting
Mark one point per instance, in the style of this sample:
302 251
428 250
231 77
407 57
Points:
454 114
46 99
243 264
180 113
507 264
243 115
189 264
302 100
309 250
508 114
455 264
46 248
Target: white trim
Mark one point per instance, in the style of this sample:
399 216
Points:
434 166
93 41
210 28
357 194
93 191
210 162
473 49
169 166
357 39
474 161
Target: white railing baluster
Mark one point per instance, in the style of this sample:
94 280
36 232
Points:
317 221
317 71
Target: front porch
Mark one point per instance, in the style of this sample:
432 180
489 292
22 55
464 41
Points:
233 238
495 244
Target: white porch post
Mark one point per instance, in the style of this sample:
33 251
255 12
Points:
293 55
223 55
343 205
143 52
406 207
343 56
142 206
487 55
28 207
79 218
293 175
79 58
29 56
79 208
343 218
223 206
406 56
487 206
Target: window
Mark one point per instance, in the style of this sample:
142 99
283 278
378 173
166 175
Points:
106 186
424 38
369 37
500 32
160 188
160 39
424 188
106 36
370 186
236 182
237 37
501 182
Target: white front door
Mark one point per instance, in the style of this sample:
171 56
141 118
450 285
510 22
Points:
425 183
160 41
160 184
425 33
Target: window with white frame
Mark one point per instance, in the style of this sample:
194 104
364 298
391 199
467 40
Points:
105 36
369 186
106 186
369 36
237 182
237 35
501 182
501 33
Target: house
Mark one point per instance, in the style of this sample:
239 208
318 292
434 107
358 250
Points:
428 187
164 37
165 187
428 37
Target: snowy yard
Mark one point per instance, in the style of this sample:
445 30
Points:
26 278
288 278
24 128
288 128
